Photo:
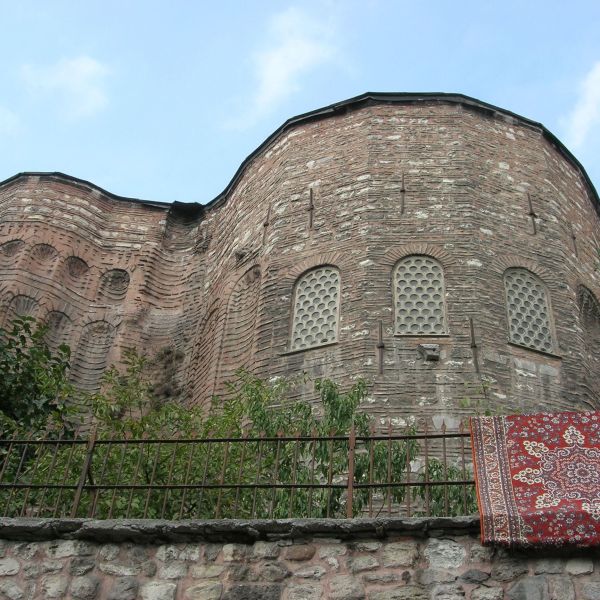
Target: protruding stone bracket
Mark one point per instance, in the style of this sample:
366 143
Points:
429 352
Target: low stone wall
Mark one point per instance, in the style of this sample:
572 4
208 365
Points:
381 559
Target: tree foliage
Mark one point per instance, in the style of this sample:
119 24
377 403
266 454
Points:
34 385
263 439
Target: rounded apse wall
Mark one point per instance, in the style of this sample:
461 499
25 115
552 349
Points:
441 248
459 237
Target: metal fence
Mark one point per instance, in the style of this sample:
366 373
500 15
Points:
338 476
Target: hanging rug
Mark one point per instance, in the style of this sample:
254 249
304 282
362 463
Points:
538 479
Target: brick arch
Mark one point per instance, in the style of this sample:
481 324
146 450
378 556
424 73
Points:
114 284
42 258
90 358
202 372
511 261
395 255
11 251
19 305
589 315
239 328
60 326
335 259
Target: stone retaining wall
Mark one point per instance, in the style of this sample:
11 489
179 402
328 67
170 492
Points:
399 559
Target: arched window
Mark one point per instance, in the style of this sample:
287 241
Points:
528 310
316 308
419 296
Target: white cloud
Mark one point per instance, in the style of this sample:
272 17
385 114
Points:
586 113
9 122
79 83
297 45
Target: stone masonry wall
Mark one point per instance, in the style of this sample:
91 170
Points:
359 189
444 564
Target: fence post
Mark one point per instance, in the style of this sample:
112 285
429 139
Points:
84 472
350 494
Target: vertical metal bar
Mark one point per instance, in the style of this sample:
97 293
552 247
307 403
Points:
258 472
350 492
107 450
32 477
266 224
445 469
48 474
169 480
408 487
464 467
152 476
65 475
84 472
294 471
311 209
18 473
119 472
380 347
402 196
275 476
474 347
371 466
532 214
427 490
193 445
389 467
239 477
209 446
312 472
222 480
141 450
330 475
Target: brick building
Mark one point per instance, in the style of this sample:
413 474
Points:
438 246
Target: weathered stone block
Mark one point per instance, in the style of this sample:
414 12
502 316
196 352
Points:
304 591
531 588
84 588
579 566
400 554
253 592
444 554
123 588
344 587
299 552
207 590
54 586
158 590
9 566
363 563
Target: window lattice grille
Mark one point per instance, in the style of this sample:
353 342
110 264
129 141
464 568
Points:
528 315
419 294
316 308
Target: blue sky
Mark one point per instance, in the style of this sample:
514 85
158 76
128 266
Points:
163 100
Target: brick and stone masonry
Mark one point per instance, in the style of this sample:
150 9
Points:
357 186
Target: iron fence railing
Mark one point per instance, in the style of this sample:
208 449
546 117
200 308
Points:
396 474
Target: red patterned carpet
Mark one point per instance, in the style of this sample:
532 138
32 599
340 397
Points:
538 479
